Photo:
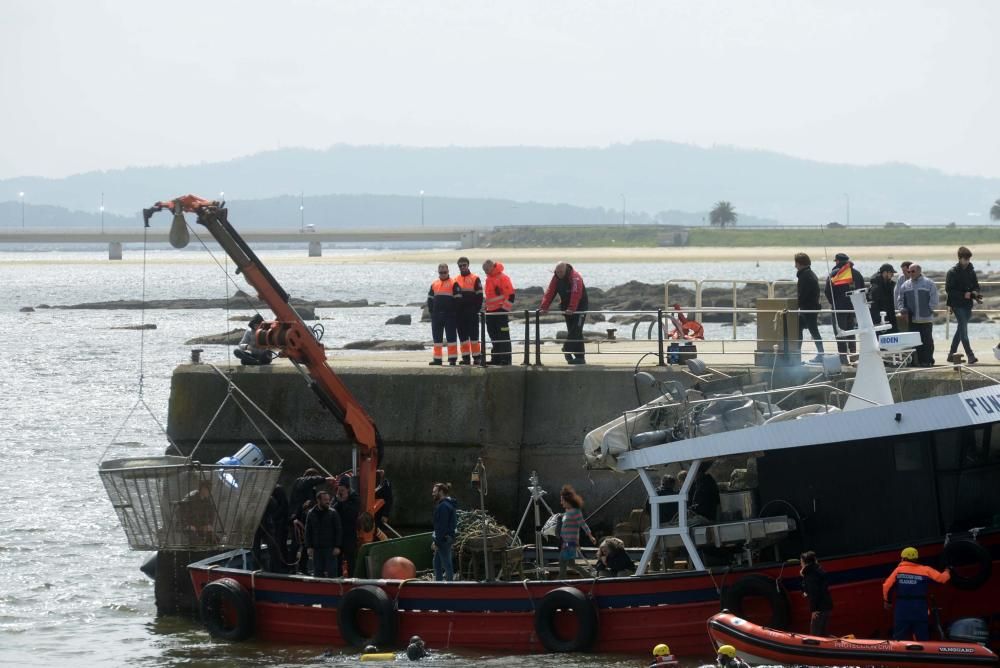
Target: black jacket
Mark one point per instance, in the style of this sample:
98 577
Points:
957 282
303 489
618 560
705 496
808 289
837 294
815 588
883 299
349 509
323 528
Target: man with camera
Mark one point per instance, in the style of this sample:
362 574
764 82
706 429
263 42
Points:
962 288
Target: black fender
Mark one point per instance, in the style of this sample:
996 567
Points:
227 610
764 587
966 552
376 600
566 598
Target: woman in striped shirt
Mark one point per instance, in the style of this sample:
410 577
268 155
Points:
572 522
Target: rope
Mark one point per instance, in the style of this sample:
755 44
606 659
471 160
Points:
268 418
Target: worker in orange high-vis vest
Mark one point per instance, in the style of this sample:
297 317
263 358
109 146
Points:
499 293
910 581
442 302
470 304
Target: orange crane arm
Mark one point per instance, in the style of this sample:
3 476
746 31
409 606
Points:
289 334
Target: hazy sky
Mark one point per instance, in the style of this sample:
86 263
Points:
107 84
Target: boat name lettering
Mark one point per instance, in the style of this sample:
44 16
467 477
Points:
880 647
983 404
956 650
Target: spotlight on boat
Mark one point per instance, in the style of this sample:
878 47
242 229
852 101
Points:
646 379
179 236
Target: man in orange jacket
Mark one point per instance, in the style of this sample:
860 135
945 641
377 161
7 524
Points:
911 581
499 294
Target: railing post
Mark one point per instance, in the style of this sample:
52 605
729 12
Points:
538 336
735 316
659 335
482 338
527 340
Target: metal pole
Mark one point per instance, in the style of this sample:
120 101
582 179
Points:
538 337
482 338
659 335
527 341
479 480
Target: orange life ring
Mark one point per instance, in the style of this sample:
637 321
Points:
690 329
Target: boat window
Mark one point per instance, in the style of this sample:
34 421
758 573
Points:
947 450
909 455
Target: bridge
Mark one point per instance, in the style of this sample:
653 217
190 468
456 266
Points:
311 238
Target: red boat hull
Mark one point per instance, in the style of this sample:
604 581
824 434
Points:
633 613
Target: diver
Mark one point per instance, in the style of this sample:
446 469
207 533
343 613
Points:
726 658
416 650
663 657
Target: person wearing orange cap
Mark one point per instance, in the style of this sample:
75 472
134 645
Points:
910 581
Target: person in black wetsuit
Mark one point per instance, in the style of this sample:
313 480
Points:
348 506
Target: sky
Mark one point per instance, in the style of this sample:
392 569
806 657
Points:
106 84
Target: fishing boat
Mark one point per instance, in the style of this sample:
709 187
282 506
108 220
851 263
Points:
850 473
758 644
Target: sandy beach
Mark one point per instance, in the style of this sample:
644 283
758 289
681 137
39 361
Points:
893 254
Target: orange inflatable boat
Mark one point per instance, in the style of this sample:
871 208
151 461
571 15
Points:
759 644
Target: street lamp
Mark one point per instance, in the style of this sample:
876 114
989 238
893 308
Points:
302 212
421 208
102 214
21 195
623 208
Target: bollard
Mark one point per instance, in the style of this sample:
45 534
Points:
196 355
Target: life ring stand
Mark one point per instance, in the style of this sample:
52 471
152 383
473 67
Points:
764 587
378 602
566 598
690 330
227 610
964 552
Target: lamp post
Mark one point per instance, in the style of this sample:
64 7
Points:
21 195
302 212
421 208
623 208
847 204
102 214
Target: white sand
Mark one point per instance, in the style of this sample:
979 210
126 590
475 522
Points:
685 254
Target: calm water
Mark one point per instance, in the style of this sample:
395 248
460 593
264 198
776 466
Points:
70 589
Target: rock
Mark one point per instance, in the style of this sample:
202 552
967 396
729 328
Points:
26 309
381 344
230 338
404 319
147 325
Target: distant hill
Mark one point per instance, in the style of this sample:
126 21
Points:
366 211
654 177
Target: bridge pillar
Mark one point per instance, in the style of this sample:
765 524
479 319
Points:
115 250
315 249
469 239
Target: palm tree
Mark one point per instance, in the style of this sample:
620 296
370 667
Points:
723 214
995 210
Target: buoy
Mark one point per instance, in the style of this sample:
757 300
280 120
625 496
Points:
398 568
379 656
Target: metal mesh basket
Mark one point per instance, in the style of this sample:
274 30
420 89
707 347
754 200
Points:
172 503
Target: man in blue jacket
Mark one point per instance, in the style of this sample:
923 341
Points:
445 526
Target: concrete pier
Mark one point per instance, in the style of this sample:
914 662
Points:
437 421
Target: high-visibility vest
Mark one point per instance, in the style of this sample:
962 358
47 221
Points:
499 290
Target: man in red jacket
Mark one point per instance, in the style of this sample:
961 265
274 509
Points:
568 284
498 302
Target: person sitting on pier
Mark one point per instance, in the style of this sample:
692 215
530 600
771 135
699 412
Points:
612 559
248 352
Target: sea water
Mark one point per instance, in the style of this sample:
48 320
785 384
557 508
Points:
71 593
